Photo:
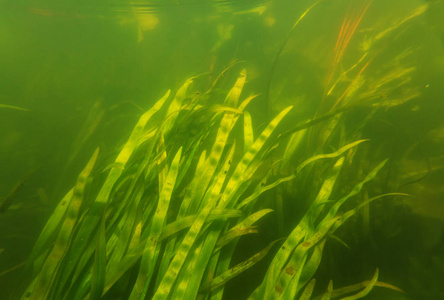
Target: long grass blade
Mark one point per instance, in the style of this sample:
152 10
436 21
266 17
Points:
366 290
13 107
308 290
328 293
176 105
243 227
98 272
238 269
248 131
47 276
152 248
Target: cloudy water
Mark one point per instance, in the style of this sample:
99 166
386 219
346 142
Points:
211 149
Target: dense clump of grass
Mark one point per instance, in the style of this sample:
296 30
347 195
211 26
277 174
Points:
165 219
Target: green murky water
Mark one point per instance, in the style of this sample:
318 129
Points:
223 191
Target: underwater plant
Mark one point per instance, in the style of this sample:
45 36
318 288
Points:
13 107
227 188
163 220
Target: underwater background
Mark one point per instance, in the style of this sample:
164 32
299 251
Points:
296 151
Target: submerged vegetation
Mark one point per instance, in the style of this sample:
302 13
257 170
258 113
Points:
163 220
207 187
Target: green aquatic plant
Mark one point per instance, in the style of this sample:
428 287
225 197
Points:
13 107
163 220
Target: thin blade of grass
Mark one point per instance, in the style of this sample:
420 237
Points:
357 286
186 202
177 104
313 263
181 224
45 280
127 232
328 293
152 248
263 188
331 155
243 227
236 270
366 290
49 232
308 290
248 131
13 107
356 189
234 94
98 272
